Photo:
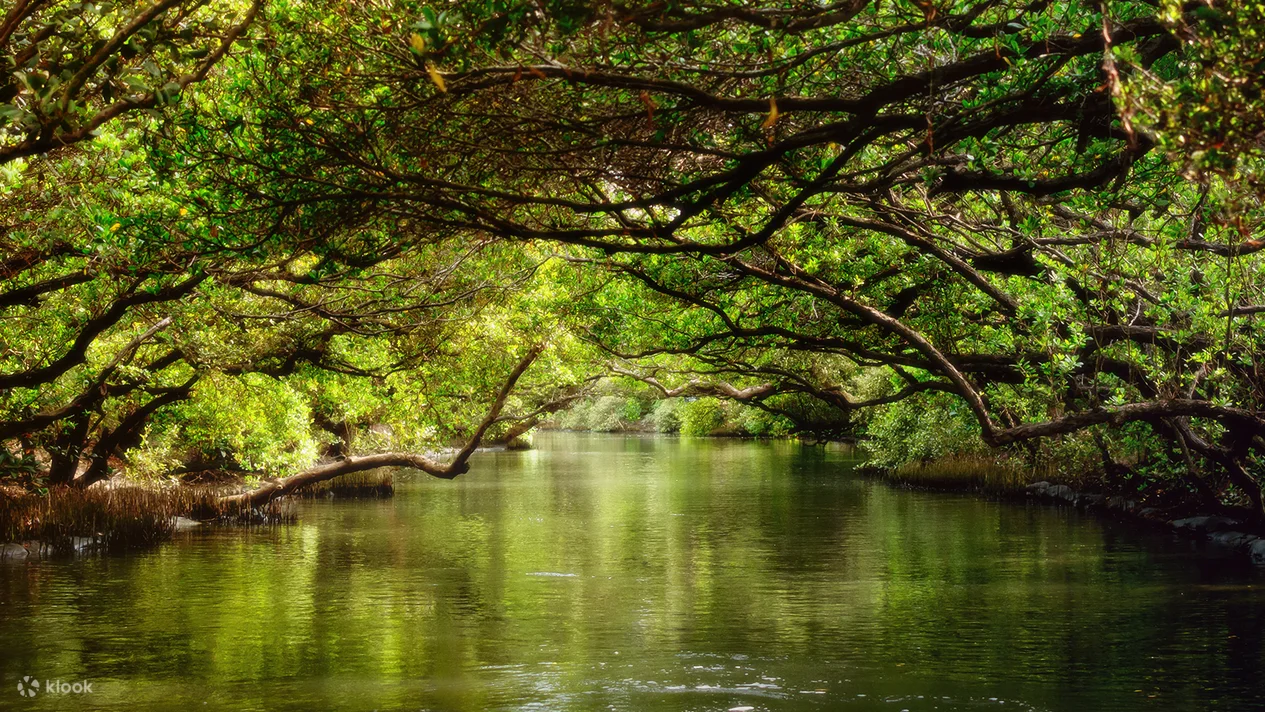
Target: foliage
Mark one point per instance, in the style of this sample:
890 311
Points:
605 414
919 429
255 423
624 411
69 68
1203 107
1032 227
702 416
665 415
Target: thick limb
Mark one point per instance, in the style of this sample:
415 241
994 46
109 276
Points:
458 465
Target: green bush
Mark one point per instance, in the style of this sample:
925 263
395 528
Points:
633 410
702 416
753 421
606 414
256 421
921 428
697 417
665 415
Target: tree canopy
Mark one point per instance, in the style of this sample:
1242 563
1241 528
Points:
1038 221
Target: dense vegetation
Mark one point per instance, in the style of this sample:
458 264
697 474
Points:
312 238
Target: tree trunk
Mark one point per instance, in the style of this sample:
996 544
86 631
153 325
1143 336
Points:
65 453
344 430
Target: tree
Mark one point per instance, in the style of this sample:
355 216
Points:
72 68
963 195
76 279
128 301
458 465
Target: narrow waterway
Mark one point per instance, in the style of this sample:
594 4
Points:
637 573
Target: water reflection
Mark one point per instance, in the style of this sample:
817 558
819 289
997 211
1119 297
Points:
629 573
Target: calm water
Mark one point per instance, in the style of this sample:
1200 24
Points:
627 573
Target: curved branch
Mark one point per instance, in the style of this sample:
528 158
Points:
358 463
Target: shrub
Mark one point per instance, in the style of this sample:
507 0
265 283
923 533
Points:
665 415
920 428
753 421
702 416
255 421
605 414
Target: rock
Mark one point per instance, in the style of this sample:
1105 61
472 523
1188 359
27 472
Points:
1232 540
1257 552
13 551
38 548
1221 524
1148 512
1062 492
182 524
1205 524
1092 500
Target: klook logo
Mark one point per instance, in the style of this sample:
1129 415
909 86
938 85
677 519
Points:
30 687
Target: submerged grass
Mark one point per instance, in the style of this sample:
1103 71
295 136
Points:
368 484
122 516
68 519
964 473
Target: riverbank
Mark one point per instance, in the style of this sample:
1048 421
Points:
128 514
992 478
132 515
1224 532
66 520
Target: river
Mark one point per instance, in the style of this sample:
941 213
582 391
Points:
605 572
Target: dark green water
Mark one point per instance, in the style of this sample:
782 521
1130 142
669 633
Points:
613 573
